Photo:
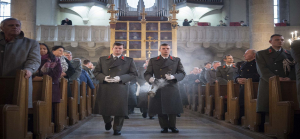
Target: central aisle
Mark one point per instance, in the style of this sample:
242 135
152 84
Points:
189 125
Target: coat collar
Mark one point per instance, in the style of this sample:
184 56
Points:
160 57
111 57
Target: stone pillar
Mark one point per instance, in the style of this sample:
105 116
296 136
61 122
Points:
261 23
25 11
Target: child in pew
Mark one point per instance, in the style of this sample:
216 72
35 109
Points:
50 65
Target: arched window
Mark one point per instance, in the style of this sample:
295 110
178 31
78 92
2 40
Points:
4 9
276 11
134 3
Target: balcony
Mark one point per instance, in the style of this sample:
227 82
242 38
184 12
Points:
102 2
200 3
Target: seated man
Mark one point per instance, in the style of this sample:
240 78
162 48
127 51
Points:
66 22
286 22
247 70
226 72
243 23
210 75
194 77
221 23
186 22
204 70
88 66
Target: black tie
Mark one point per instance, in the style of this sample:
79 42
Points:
115 58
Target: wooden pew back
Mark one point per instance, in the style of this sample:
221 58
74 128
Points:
73 103
251 119
209 99
89 101
233 108
201 98
282 106
94 94
42 107
195 96
61 117
82 105
14 107
220 101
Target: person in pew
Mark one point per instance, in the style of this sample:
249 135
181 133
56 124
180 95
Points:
84 77
194 77
67 69
66 22
295 51
226 72
114 72
50 65
246 70
167 102
186 22
18 52
270 62
207 66
221 23
76 64
88 66
210 75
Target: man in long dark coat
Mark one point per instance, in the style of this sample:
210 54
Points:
295 50
270 62
167 102
113 72
226 72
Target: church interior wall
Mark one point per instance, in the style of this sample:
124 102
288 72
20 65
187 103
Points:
237 10
294 12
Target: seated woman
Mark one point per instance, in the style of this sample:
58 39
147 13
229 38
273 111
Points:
50 65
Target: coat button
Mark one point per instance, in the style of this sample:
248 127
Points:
160 69
274 63
241 70
108 69
247 70
227 75
160 75
250 65
276 70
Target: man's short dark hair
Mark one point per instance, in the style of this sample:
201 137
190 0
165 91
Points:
86 62
206 63
241 21
9 19
274 36
54 48
118 44
225 57
164 44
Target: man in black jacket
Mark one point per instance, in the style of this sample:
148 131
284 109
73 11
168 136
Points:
186 22
204 70
66 22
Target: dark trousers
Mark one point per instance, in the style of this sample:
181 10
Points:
167 120
118 121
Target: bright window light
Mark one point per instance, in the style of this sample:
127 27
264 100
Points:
4 9
134 3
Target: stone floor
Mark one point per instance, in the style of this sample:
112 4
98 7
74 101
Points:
189 125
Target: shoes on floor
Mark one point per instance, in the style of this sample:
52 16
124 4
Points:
126 117
174 129
144 114
178 115
151 117
108 125
117 132
164 130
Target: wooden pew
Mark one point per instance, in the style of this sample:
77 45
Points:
93 98
201 98
220 101
209 99
82 105
14 107
194 97
61 117
251 120
233 108
42 108
73 104
283 108
189 95
88 101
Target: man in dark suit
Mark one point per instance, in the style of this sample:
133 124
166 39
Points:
114 72
226 72
246 70
66 22
186 22
167 102
210 75
207 67
270 62
295 50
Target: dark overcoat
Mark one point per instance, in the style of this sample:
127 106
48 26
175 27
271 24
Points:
225 74
112 98
210 76
270 63
132 99
167 99
202 76
142 99
295 51
247 70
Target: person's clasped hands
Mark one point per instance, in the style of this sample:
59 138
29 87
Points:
115 79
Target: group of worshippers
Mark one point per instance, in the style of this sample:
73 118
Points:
259 66
115 71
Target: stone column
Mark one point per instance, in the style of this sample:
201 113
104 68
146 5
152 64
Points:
261 23
25 11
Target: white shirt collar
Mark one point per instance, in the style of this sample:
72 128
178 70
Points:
116 56
164 57
229 65
278 50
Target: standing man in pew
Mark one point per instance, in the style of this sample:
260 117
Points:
270 62
210 75
167 101
247 70
114 72
207 67
295 50
18 52
226 72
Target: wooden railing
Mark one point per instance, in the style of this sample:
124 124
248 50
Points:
82 1
212 2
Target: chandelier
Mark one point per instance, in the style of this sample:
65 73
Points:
294 37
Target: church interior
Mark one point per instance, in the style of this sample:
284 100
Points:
198 32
